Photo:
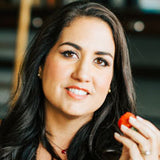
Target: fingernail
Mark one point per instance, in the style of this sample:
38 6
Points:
116 134
123 127
132 120
139 118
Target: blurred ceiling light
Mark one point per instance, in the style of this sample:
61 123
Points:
139 26
37 22
149 5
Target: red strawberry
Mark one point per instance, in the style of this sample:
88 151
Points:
124 119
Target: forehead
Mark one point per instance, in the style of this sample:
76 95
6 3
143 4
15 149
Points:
91 24
89 32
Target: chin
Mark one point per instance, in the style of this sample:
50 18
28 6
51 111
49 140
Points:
75 115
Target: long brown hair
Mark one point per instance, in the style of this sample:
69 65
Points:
24 127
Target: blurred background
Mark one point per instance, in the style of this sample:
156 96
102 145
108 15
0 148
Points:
141 22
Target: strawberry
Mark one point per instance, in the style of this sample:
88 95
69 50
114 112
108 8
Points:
124 119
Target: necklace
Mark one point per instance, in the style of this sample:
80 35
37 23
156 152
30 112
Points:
63 151
43 155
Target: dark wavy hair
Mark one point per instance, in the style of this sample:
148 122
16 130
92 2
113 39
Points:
24 127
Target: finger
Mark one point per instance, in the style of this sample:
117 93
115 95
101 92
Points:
132 147
144 144
153 128
150 132
125 154
149 124
144 129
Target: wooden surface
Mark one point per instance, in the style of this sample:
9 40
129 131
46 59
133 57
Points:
22 37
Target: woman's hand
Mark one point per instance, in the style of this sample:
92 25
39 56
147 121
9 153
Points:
143 144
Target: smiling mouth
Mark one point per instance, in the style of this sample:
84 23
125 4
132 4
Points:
77 93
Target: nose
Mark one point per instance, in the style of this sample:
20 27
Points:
82 72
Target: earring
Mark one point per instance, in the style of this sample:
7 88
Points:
109 91
39 72
39 75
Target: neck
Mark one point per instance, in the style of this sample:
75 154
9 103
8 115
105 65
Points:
62 128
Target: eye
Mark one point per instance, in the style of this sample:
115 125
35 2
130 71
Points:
69 54
102 62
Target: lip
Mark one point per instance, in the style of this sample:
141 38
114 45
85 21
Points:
75 96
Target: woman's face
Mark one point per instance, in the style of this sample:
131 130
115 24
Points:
78 70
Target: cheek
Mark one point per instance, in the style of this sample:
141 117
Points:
103 83
54 72
102 86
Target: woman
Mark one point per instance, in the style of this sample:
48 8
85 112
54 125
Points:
75 84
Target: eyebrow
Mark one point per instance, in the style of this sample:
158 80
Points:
80 48
71 44
104 53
